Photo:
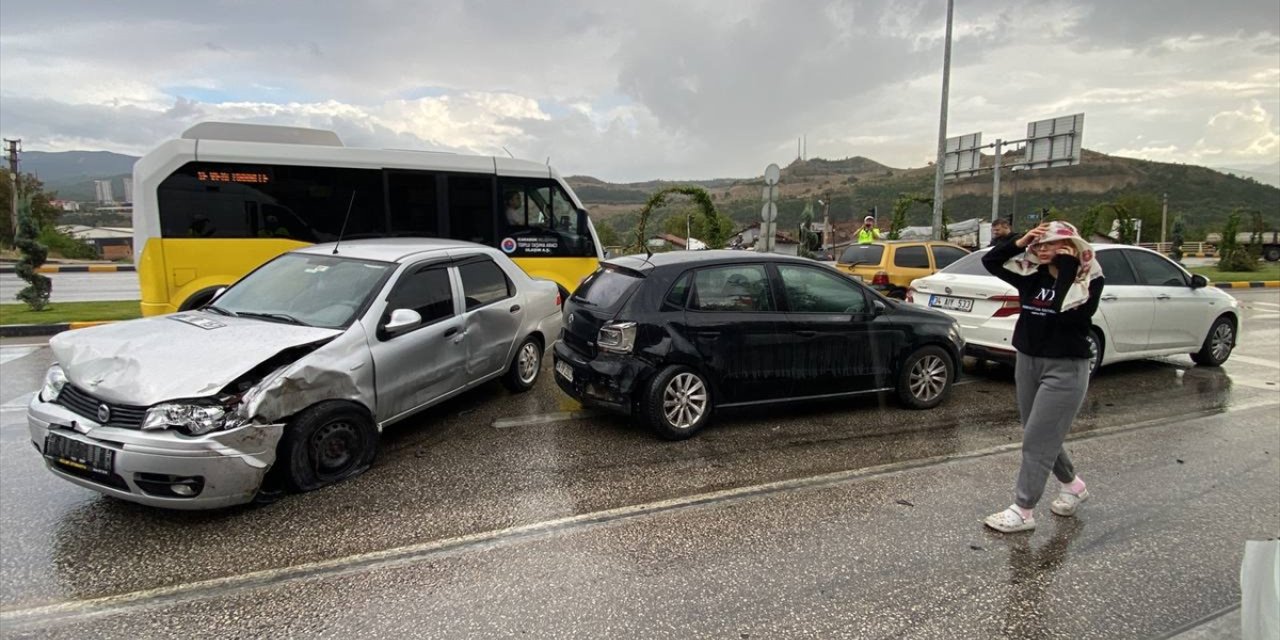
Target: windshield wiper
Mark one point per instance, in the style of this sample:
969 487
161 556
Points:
279 317
220 310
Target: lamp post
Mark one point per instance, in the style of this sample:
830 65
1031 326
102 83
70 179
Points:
826 225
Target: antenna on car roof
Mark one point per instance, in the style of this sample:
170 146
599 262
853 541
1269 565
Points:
345 218
508 151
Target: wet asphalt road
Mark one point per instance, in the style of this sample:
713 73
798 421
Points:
493 515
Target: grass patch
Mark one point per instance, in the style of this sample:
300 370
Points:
1266 271
58 312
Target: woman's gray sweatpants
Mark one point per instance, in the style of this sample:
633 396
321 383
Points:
1050 392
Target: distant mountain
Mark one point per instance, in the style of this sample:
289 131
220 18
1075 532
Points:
74 166
70 174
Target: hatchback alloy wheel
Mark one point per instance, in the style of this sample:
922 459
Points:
684 400
928 378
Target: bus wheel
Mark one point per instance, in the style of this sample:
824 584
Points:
199 299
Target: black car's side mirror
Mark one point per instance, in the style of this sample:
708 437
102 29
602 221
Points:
1198 281
878 307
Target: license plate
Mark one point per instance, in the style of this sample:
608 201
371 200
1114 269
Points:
79 455
565 370
951 304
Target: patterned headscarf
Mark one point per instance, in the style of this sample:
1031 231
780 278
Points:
1027 262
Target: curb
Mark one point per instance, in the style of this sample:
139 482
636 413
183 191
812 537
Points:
1255 284
29 330
78 268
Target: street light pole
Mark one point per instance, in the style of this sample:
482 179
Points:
942 130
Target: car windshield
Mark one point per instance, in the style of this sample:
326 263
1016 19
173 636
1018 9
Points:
970 265
862 254
304 289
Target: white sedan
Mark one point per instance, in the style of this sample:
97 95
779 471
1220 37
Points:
1150 307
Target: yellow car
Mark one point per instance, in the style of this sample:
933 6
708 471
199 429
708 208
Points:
889 266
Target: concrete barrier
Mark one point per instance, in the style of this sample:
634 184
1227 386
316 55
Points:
76 268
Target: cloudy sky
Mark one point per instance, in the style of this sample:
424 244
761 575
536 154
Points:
650 89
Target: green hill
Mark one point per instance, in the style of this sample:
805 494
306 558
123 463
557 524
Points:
1202 196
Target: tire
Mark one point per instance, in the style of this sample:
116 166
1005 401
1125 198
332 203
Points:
677 404
1096 348
525 367
1271 253
1218 344
198 299
924 380
327 443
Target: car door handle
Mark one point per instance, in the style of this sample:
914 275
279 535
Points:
1163 296
515 308
451 331
1109 298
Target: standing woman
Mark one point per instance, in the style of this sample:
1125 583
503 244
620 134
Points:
1059 284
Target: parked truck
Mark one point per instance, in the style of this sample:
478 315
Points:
1269 249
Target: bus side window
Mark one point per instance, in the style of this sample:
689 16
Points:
471 208
413 205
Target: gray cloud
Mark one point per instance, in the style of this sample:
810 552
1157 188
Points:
669 88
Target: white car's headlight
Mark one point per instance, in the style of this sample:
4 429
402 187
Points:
191 419
54 380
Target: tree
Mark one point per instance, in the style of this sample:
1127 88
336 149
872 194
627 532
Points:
41 206
714 227
1178 231
1089 224
608 236
1231 255
900 207
36 293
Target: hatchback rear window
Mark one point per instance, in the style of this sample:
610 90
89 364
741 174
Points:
862 254
605 288
970 265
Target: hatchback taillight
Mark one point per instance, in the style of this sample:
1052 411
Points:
1009 306
881 279
911 295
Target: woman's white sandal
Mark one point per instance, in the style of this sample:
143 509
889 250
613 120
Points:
1066 503
1010 521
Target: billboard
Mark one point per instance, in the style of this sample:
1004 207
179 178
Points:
962 158
1055 142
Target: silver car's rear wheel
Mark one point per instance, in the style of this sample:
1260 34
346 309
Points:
525 367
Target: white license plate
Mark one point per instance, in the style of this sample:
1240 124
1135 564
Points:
565 370
951 304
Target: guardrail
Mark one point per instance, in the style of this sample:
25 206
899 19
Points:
1189 249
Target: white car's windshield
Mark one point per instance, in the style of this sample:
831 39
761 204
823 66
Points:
315 290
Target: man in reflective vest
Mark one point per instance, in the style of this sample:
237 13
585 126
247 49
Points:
868 233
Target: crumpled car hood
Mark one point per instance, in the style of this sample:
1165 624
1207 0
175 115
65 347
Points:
182 355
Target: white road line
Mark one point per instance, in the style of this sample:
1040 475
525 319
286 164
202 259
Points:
1263 316
1269 305
541 418
81 610
10 353
1258 361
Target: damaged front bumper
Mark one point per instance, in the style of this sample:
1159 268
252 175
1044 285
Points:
155 468
606 381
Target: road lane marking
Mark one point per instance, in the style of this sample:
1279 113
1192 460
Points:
75 611
1269 305
1258 361
542 418
1263 316
9 353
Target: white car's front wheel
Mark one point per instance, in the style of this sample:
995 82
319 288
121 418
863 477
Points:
1218 344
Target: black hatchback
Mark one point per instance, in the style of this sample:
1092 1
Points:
671 337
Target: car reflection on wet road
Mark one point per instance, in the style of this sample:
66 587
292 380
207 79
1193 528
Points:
496 515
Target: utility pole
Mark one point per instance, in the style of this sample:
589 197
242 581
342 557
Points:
826 223
13 147
995 185
942 130
1164 215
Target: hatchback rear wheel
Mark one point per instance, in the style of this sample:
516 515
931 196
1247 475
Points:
924 380
677 403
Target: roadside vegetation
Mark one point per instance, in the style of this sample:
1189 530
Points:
58 312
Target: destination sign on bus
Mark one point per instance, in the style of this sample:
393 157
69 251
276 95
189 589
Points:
244 177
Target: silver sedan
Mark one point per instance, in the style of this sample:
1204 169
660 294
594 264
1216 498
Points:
286 379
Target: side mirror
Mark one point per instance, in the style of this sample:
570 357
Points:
879 307
218 294
1198 281
402 320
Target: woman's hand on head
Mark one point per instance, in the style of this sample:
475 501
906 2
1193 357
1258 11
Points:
1033 235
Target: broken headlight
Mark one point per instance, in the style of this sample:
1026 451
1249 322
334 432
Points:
191 418
54 380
